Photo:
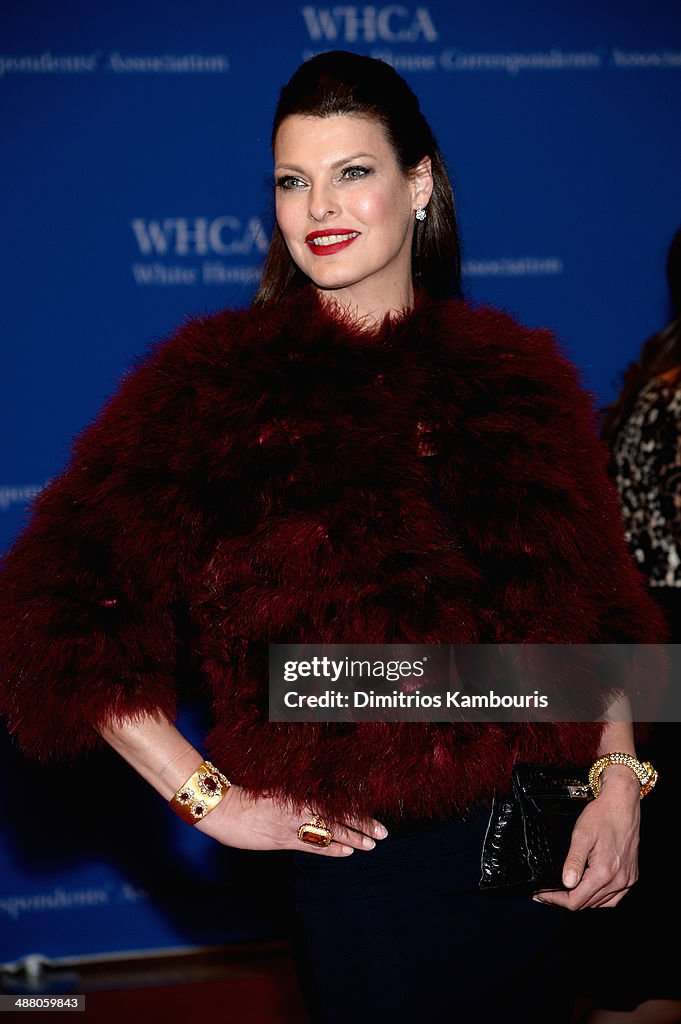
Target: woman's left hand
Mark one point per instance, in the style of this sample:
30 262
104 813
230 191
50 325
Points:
602 862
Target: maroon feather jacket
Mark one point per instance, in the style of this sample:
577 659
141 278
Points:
260 474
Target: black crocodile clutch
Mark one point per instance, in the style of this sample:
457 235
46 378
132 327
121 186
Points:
529 830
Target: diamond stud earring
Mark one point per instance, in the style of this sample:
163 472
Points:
420 213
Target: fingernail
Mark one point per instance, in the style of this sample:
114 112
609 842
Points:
368 843
380 832
348 849
570 878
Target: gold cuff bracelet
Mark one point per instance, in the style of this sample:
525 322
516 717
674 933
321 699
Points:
200 794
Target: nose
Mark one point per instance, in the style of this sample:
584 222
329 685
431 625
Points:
321 202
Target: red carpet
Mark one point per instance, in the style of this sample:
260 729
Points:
250 985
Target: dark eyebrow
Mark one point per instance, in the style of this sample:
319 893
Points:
334 166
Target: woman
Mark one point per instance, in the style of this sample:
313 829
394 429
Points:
643 430
358 457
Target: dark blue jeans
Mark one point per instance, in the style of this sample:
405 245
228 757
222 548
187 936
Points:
402 933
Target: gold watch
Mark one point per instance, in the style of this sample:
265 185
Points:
643 770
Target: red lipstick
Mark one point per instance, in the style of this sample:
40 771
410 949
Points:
329 248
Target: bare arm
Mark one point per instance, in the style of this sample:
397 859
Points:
602 863
159 752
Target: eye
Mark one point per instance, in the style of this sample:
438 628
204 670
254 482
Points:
288 182
356 172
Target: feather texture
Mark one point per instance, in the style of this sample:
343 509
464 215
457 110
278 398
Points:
264 470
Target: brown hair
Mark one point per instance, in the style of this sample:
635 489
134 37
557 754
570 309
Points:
659 354
341 82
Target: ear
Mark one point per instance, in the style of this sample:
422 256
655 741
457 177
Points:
421 179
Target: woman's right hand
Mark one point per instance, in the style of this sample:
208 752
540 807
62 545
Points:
263 823
155 748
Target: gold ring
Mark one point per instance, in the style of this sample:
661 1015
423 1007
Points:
315 832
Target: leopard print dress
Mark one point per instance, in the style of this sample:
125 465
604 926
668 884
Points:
647 462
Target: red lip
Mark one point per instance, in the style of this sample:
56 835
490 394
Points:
328 250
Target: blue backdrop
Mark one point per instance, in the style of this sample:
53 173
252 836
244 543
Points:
135 175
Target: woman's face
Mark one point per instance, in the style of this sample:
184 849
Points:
345 208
